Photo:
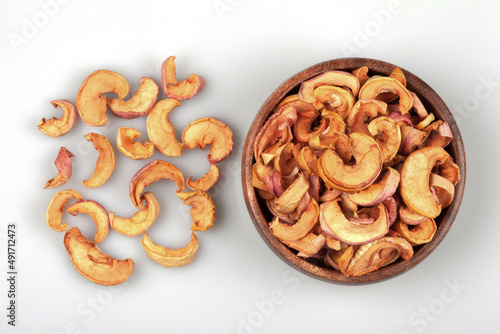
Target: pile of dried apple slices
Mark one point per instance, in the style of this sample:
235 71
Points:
354 171
91 106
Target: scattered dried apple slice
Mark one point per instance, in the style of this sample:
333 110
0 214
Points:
141 221
56 207
134 150
105 163
380 84
90 101
94 265
152 172
56 127
64 168
417 234
209 131
207 181
387 134
168 75
301 228
96 212
170 257
140 104
160 129
203 211
378 191
183 90
332 78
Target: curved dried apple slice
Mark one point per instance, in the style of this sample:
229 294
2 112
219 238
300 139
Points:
308 161
168 72
209 131
439 134
161 131
417 234
134 150
203 211
445 190
307 220
335 224
183 90
94 265
345 258
90 101
64 168
56 207
284 162
335 123
362 74
56 127
411 139
260 172
362 113
289 200
387 134
332 78
415 174
96 212
379 84
105 163
293 101
171 257
140 221
336 99
418 107
449 170
152 172
352 177
310 244
302 127
410 217
207 181
378 191
138 105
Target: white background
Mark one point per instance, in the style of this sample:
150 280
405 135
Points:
244 49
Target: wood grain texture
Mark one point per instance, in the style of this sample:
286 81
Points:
261 216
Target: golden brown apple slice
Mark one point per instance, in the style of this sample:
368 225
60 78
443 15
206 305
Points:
414 188
207 181
105 164
345 258
183 90
335 123
417 234
387 134
378 191
302 127
438 134
134 150
445 190
425 122
168 75
289 200
152 172
171 257
203 211
449 170
362 113
293 101
260 172
90 100
94 265
310 244
141 221
56 207
331 78
335 224
377 85
411 139
96 212
161 130
362 74
352 177
140 104
284 162
307 220
336 99
56 127
209 131
410 217
308 161
64 168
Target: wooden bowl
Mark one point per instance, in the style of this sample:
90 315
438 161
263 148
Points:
261 215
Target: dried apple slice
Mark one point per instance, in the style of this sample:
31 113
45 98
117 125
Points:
352 177
90 101
284 162
96 212
335 98
411 139
310 244
160 129
94 265
140 104
152 172
439 134
56 207
141 221
207 181
377 85
134 150
308 161
335 224
345 258
171 257
387 134
362 113
183 90
332 78
260 172
64 168
293 101
209 131
410 217
289 200
417 234
378 191
308 219
203 211
105 163
56 127
362 74
168 75
449 170
302 127
445 190
418 106
415 174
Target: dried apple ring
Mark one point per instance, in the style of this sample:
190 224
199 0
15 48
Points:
302 127
334 98
134 150
64 168
183 90
57 127
417 234
364 110
96 212
161 131
301 228
105 163
209 131
140 104
378 191
171 257
362 74
332 78
141 221
205 182
56 208
90 101
152 172
387 134
377 85
94 265
203 211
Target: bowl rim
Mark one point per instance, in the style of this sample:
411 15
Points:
432 102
